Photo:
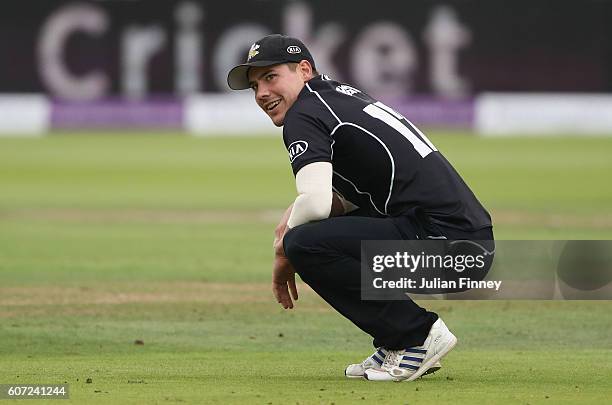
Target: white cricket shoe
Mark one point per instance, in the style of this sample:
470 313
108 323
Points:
411 363
374 361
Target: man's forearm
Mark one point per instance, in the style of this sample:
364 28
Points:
310 207
314 186
337 209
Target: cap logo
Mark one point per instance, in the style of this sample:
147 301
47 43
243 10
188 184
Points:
293 49
253 51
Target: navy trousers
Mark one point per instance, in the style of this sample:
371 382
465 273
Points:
327 256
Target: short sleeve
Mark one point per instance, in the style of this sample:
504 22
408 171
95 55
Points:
307 140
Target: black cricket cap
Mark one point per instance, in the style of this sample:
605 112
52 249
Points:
270 50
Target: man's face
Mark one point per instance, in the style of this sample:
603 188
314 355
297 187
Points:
276 88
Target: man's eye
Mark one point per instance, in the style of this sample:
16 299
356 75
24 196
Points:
269 77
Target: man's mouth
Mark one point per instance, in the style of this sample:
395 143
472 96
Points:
272 105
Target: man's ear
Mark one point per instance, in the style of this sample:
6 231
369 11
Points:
305 70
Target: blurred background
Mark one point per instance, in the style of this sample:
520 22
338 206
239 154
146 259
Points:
494 67
138 195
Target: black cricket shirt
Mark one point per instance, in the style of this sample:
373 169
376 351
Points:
381 162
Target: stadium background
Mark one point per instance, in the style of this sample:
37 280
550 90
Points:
138 196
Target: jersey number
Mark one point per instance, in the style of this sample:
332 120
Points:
392 118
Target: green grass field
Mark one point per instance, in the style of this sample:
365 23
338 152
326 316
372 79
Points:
110 239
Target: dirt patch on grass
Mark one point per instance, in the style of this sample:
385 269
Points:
126 299
134 293
39 300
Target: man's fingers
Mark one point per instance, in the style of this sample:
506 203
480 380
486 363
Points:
282 295
285 299
275 291
293 288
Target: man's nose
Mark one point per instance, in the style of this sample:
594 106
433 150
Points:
262 92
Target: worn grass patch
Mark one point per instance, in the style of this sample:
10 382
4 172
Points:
208 344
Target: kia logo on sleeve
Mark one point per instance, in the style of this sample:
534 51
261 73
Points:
296 149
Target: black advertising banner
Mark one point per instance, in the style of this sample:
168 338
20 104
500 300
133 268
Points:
87 50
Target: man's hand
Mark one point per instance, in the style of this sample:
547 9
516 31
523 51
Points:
283 282
283 274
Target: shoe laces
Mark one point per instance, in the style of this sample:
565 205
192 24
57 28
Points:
393 359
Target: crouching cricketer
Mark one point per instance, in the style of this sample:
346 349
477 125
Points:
363 172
